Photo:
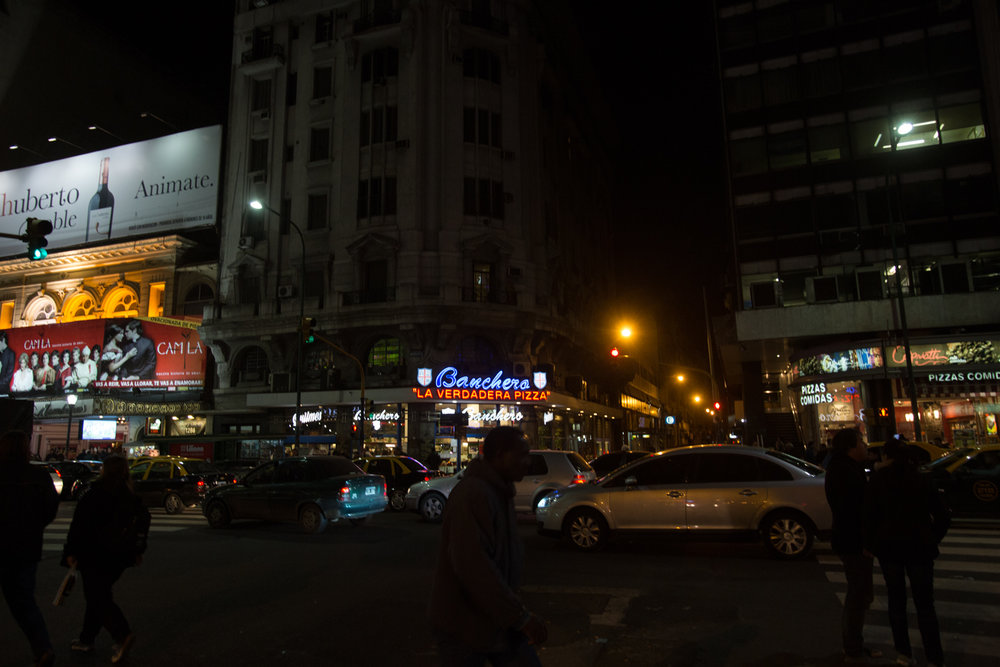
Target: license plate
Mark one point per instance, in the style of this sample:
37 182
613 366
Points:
370 491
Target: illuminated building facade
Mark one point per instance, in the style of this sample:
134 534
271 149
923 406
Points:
862 143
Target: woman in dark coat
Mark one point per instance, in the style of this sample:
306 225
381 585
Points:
107 535
905 519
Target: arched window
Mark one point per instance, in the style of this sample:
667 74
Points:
80 306
385 354
251 367
40 310
197 298
121 302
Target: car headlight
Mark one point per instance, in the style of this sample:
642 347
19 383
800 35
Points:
547 500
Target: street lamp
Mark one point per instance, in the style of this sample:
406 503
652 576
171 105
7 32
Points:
902 130
257 205
70 402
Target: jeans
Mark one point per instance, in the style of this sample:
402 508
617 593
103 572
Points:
101 607
17 580
920 571
860 593
517 653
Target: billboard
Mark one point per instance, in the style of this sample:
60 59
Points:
97 355
147 188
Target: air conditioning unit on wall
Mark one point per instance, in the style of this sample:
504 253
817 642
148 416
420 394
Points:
286 291
246 243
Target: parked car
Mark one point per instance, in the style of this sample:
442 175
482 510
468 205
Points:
76 477
970 479
550 470
400 473
174 483
920 452
56 476
698 490
311 490
93 465
605 463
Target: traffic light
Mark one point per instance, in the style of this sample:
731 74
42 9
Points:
306 328
717 405
614 352
34 234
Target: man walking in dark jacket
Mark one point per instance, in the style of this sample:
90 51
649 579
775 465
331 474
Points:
28 503
845 492
474 608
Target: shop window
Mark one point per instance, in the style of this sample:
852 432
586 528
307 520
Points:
828 143
322 82
156 297
197 298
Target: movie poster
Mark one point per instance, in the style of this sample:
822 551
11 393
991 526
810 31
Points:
99 355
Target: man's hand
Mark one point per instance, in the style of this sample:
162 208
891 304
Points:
536 630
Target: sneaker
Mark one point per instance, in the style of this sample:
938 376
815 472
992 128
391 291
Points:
80 647
119 651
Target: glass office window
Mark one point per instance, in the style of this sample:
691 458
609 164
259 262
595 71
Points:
828 143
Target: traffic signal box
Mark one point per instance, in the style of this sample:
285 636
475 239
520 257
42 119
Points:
307 329
34 234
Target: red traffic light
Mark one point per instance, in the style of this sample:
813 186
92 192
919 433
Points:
717 405
614 352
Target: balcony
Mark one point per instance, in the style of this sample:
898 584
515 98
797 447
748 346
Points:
261 58
363 297
376 19
475 295
484 21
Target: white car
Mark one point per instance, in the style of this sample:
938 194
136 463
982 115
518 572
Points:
54 474
700 490
550 471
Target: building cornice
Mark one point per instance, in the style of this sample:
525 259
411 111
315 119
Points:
117 253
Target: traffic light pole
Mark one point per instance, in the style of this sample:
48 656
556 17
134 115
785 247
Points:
361 370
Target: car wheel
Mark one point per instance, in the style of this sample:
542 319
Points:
173 504
586 530
541 496
397 500
787 535
432 507
312 520
217 514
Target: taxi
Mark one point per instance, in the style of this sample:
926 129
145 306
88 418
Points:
400 473
920 452
970 479
174 483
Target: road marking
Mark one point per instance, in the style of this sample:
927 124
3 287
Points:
939 565
940 584
619 600
953 642
946 609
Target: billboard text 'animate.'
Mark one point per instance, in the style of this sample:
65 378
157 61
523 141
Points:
146 188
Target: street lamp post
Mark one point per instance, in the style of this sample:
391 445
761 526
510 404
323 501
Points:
256 204
911 386
70 402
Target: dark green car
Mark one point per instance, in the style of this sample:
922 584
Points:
310 490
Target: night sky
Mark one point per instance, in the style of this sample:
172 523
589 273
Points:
99 62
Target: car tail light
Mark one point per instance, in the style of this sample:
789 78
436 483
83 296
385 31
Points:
579 479
58 473
201 485
345 493
427 478
385 488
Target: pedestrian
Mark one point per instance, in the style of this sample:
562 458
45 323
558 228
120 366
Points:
28 503
107 535
905 518
433 459
845 492
475 611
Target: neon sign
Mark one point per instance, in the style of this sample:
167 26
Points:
501 415
449 385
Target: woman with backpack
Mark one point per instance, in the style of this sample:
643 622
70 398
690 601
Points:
107 535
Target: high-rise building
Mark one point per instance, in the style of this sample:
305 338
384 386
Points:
434 186
862 153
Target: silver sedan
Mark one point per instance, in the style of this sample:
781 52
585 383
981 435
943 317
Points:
701 490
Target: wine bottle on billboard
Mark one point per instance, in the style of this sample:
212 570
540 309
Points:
101 208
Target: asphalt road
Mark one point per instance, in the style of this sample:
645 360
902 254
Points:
265 594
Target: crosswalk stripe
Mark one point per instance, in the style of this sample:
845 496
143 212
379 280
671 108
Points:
939 565
944 608
940 584
954 642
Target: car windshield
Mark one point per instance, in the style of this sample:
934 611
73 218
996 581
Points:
945 461
804 466
333 467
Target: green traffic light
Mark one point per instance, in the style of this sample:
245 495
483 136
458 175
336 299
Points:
310 338
39 253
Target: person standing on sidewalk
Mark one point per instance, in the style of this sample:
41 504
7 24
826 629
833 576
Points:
28 503
107 535
905 519
474 608
845 492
